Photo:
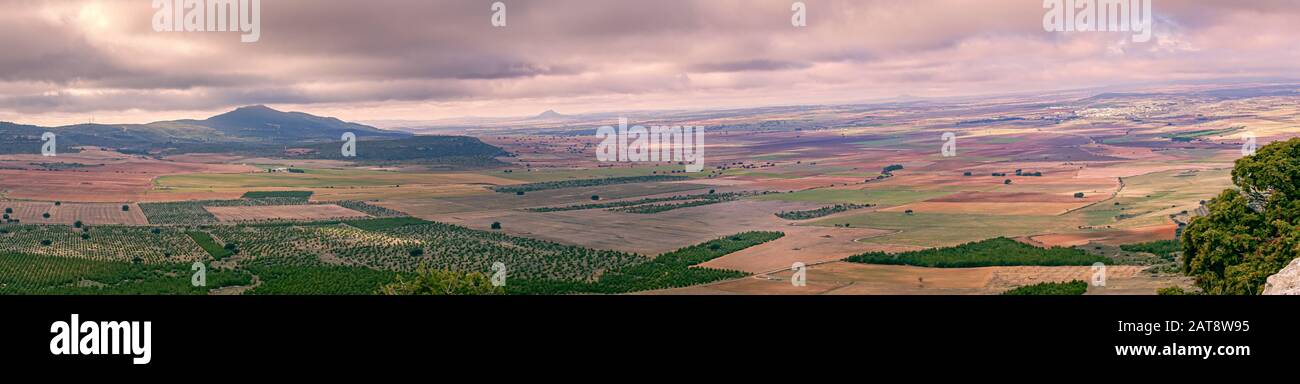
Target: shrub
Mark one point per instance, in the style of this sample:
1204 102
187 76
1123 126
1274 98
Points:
993 252
304 195
1174 291
820 212
429 281
1073 288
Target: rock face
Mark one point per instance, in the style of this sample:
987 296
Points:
1286 281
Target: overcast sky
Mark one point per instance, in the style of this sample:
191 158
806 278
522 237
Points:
63 61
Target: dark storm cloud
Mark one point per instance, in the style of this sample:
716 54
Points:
79 56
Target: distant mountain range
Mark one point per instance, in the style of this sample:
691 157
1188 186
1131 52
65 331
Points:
551 114
254 129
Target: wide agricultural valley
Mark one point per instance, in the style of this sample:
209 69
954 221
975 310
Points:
872 198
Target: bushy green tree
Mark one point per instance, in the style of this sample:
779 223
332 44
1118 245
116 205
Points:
429 281
1250 232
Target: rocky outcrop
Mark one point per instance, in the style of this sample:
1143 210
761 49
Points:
1286 281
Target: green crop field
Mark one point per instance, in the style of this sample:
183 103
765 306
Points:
28 274
669 270
343 257
1149 199
205 241
944 229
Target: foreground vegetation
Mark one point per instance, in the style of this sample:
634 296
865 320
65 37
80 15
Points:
1163 248
428 281
307 275
988 253
670 270
102 243
26 274
1073 288
347 257
1251 232
209 245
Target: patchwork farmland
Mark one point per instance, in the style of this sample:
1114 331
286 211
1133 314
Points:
833 186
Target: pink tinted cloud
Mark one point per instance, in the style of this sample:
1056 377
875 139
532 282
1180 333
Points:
393 59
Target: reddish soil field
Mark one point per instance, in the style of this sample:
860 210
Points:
100 177
68 213
1130 236
284 212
